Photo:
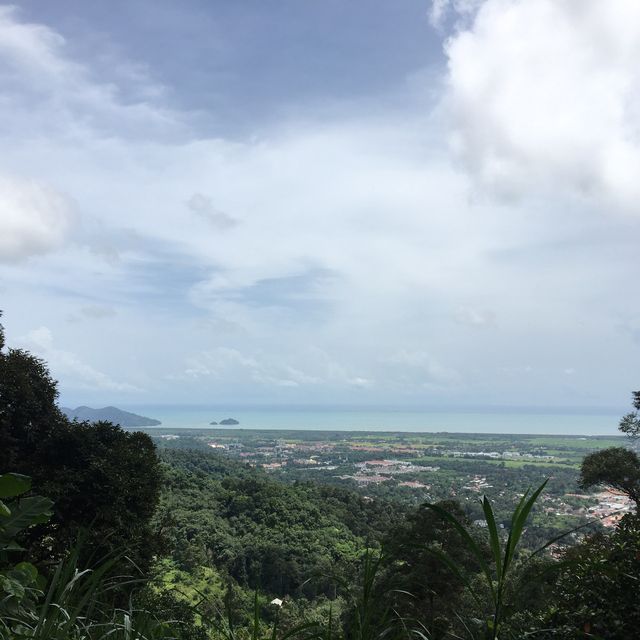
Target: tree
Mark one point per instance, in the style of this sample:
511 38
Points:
596 592
630 424
616 467
101 478
416 569
27 406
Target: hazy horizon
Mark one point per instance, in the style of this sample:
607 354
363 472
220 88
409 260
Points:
426 408
504 420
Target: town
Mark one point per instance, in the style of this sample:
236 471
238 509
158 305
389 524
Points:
421 467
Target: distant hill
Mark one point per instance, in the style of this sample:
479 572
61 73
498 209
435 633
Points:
110 414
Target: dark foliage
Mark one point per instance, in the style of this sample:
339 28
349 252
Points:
596 591
630 424
615 467
436 594
101 478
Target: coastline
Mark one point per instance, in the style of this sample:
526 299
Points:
386 421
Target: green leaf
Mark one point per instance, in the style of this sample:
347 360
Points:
14 484
518 521
12 587
28 569
29 511
10 545
493 534
4 510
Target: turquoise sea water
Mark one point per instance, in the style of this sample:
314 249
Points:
341 419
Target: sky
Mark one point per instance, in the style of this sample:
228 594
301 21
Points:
301 202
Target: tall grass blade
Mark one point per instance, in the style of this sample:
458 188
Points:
494 540
517 525
470 543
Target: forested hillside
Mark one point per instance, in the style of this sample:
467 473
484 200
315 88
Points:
101 536
263 533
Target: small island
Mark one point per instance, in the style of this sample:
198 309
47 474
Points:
229 421
213 424
109 414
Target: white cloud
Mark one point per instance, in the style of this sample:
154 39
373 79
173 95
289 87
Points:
426 368
544 96
232 365
31 46
34 218
46 90
76 373
266 368
203 206
441 9
475 317
98 311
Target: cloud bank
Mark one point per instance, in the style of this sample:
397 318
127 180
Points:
349 257
67 364
544 96
34 218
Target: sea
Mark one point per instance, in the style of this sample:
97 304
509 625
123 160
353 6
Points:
492 420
